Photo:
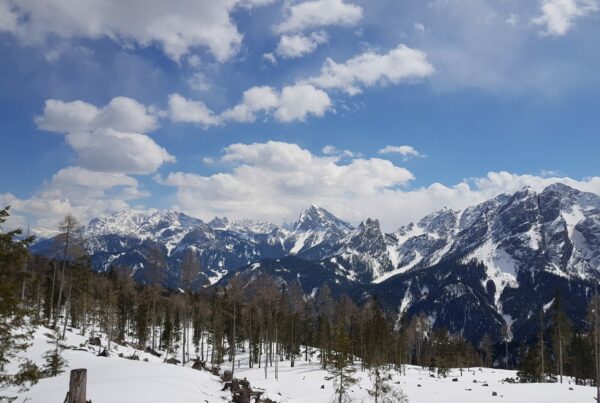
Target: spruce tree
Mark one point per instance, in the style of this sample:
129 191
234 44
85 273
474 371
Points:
15 327
55 363
340 370
383 391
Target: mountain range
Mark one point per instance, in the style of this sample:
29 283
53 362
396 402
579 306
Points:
495 264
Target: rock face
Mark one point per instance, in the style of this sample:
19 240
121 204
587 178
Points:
474 270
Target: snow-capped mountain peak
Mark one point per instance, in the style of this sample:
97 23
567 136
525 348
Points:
316 218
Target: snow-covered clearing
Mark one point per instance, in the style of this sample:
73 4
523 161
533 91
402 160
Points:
116 379
303 384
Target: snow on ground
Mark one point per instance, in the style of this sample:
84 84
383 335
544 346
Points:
303 384
115 380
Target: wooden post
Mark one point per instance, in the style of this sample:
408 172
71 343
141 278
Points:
77 385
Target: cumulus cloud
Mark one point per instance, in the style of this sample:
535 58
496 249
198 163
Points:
188 111
308 97
558 16
107 150
405 150
300 100
402 64
319 13
332 150
176 26
84 193
121 113
292 103
298 45
107 139
275 181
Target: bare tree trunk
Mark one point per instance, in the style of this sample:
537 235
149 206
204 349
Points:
543 372
153 320
560 353
38 301
62 275
84 315
110 318
250 362
67 308
233 342
184 341
202 344
277 353
292 353
52 308
596 355
266 358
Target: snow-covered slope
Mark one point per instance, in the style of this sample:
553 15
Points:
114 379
306 383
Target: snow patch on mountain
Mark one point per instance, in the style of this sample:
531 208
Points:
501 269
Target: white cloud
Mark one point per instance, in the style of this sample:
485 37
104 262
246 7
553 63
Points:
298 45
198 82
319 13
368 69
513 19
107 150
300 100
9 20
81 192
188 111
81 177
260 98
334 151
254 100
193 60
121 113
405 150
275 181
558 16
107 139
176 26
293 103
270 57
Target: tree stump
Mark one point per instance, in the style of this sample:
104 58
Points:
77 386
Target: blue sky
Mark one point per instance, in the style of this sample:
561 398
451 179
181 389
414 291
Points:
142 105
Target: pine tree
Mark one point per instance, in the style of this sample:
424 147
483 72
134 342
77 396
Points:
561 330
55 363
166 337
339 368
383 391
529 365
190 270
442 349
15 328
487 346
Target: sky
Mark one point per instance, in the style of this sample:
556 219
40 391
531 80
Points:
388 109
